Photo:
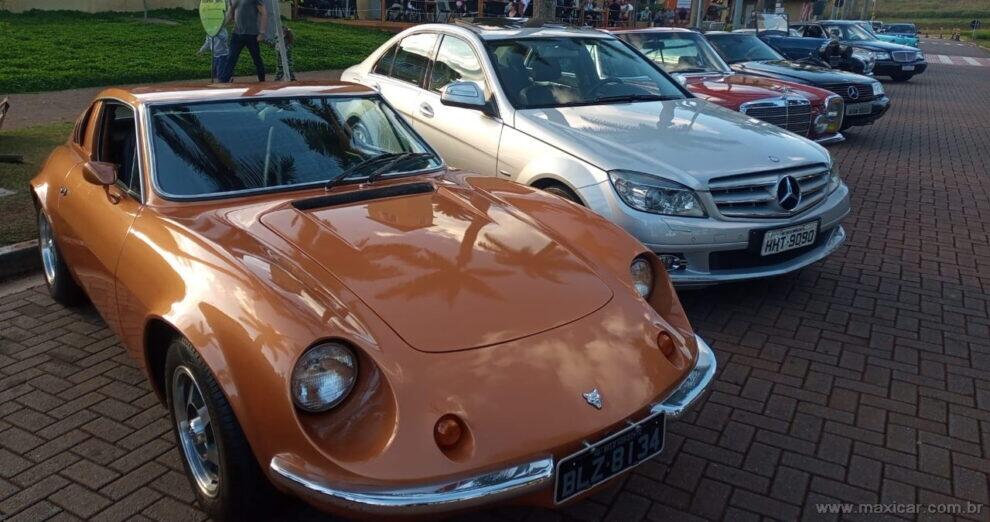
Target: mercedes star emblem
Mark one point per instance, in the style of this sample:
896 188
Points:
853 93
593 398
788 193
774 159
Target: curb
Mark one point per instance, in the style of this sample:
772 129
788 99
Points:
19 258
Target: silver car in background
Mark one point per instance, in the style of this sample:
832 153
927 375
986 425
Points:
718 195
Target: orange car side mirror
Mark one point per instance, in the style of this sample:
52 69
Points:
100 173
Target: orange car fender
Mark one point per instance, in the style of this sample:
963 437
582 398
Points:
246 333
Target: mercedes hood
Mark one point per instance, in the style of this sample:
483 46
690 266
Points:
688 141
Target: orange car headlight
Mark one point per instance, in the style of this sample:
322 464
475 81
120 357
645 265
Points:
323 377
642 276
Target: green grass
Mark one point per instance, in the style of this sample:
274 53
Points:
935 15
44 51
34 143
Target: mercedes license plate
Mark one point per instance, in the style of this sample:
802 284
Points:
784 239
858 109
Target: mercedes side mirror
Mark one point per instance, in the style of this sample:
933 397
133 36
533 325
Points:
466 95
100 173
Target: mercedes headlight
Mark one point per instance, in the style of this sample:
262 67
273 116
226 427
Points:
921 55
655 195
864 55
882 55
877 88
835 110
642 275
833 178
323 377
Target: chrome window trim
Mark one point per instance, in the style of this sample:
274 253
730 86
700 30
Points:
153 174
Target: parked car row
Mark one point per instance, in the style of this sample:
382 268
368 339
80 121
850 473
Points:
330 285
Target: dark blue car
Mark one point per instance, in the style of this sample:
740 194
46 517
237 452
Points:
899 62
818 51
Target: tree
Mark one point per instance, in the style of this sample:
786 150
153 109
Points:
545 10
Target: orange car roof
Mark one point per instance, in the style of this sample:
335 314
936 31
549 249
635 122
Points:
227 91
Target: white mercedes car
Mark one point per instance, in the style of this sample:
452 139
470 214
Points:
720 196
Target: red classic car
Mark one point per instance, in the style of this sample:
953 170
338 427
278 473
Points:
808 111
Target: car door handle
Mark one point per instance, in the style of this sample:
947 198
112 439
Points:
426 110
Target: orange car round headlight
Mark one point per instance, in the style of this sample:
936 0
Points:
642 276
323 377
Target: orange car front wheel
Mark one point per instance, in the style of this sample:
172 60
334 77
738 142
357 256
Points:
223 472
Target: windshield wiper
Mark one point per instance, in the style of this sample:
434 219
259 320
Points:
634 97
350 171
404 158
691 70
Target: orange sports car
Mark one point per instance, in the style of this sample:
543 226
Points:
325 307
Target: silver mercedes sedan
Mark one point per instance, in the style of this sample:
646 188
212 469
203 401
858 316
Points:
718 195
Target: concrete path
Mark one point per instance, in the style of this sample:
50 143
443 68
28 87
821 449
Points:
40 108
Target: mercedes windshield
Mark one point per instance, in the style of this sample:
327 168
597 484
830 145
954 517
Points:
570 71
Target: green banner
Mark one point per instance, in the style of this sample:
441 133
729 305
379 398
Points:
212 14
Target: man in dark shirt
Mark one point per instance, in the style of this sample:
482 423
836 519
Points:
250 20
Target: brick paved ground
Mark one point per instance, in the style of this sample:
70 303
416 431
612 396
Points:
862 379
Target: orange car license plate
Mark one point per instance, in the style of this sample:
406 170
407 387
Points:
608 457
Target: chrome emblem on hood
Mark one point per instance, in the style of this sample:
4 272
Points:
853 93
774 159
593 398
788 193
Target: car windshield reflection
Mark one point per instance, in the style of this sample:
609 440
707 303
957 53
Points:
678 52
222 148
561 72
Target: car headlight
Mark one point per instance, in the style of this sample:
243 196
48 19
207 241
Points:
642 275
864 55
882 55
835 110
655 195
833 178
323 377
921 55
877 88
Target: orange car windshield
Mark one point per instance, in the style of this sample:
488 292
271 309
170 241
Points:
223 148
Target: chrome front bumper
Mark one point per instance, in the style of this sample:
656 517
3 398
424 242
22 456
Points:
831 139
474 491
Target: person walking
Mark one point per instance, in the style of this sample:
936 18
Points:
219 47
289 38
250 20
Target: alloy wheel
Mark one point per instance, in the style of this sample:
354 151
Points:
195 429
46 243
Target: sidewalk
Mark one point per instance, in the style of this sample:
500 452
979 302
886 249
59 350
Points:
40 108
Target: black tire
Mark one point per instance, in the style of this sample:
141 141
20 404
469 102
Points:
561 191
901 77
61 285
242 490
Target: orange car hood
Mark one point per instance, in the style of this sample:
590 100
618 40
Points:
449 269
